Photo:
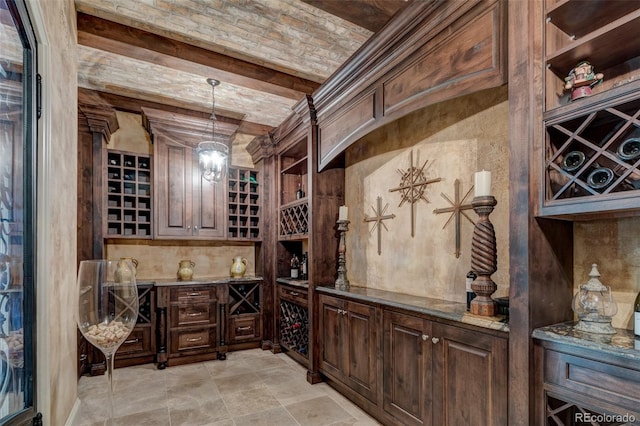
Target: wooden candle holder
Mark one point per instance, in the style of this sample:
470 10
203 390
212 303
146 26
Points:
483 257
342 283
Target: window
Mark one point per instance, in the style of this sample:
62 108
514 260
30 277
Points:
18 133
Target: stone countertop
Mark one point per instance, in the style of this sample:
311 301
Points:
294 282
454 311
622 343
163 282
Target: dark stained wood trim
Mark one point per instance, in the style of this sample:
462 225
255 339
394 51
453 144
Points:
142 45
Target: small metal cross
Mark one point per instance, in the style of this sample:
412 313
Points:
456 209
378 219
413 184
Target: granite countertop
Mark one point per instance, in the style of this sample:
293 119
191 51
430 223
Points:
294 282
622 343
160 282
446 309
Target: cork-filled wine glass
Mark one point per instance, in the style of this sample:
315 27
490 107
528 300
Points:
107 308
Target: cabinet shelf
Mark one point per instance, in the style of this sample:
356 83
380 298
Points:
297 168
601 47
577 18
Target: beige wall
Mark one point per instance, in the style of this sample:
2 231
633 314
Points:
613 245
457 138
55 23
159 259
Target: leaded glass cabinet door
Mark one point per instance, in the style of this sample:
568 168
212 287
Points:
18 122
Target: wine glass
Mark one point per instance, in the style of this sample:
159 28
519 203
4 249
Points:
107 308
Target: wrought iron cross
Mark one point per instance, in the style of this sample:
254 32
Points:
378 219
412 187
457 209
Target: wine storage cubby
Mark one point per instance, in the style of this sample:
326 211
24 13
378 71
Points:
294 220
128 195
294 328
243 204
593 152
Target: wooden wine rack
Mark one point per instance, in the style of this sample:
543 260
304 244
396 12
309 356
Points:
294 220
128 195
594 152
294 328
243 205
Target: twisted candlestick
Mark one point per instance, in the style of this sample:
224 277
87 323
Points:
342 283
483 257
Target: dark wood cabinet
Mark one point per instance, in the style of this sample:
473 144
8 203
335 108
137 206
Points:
187 205
469 377
349 344
244 204
432 373
189 323
407 368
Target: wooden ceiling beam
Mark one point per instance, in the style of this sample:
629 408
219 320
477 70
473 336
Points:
131 42
369 14
134 104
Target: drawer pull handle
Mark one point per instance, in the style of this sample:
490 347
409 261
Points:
339 311
294 293
435 340
195 314
244 328
131 341
194 294
425 336
197 339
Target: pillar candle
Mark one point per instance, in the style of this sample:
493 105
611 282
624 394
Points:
343 213
482 184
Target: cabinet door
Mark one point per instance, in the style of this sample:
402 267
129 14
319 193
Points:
469 377
208 206
407 372
173 189
360 349
331 341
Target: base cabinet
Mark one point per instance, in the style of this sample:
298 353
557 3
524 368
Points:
349 344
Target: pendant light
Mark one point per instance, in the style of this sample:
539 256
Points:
213 154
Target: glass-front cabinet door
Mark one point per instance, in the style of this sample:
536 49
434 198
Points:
18 123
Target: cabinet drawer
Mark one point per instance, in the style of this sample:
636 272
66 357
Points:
244 328
185 340
293 294
192 294
138 342
183 314
606 382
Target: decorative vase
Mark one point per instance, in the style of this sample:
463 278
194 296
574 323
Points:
238 267
185 270
123 272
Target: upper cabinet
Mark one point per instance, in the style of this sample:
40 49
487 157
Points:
244 204
592 100
185 204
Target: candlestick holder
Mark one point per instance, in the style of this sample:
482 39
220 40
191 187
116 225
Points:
483 257
342 283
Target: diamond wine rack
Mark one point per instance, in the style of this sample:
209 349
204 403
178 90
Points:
294 328
294 220
594 153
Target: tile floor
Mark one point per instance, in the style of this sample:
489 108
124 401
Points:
252 387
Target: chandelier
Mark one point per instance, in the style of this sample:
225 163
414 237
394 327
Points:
213 154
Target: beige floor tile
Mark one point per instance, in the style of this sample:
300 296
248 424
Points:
320 411
276 416
250 401
199 413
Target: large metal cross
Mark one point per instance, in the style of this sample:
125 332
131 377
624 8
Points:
457 209
378 219
412 187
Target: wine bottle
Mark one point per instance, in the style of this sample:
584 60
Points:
303 266
471 276
299 192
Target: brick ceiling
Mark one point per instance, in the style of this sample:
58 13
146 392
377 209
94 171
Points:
267 53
